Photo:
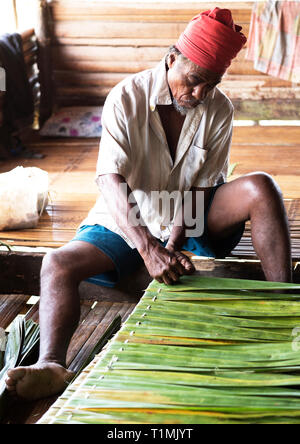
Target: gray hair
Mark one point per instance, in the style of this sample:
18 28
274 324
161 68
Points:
173 50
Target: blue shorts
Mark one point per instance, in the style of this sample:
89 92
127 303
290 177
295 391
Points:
128 260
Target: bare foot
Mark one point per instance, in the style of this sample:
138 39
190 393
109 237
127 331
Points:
38 381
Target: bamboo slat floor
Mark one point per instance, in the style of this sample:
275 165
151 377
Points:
71 166
95 319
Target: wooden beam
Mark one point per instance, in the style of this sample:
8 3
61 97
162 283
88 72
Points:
20 274
44 33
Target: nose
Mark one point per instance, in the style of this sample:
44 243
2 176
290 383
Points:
199 92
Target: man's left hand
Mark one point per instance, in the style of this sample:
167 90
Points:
183 259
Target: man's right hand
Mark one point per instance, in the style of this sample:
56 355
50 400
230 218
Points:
166 266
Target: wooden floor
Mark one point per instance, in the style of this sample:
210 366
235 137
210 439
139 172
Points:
71 166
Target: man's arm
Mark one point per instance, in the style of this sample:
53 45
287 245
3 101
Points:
162 263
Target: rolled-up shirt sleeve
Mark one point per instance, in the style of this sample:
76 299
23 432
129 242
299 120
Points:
114 150
215 168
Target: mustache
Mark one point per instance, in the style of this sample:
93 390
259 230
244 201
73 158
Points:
194 102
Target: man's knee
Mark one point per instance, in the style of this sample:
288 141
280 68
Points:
261 186
56 263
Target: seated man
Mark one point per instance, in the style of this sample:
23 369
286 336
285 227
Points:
166 129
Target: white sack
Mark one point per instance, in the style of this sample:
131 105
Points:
23 197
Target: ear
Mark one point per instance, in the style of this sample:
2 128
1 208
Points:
171 59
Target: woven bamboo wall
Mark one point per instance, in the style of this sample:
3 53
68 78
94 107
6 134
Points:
95 44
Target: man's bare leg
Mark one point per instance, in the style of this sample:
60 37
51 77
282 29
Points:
255 197
61 273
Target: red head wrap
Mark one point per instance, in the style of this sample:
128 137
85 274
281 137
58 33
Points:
212 40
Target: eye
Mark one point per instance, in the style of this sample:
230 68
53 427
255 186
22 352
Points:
194 81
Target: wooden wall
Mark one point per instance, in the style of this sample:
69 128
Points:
95 44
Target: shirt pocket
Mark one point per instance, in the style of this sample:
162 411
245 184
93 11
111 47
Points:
194 162
198 156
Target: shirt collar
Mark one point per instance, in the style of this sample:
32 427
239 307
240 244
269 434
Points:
160 93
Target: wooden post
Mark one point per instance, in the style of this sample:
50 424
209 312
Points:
14 3
44 38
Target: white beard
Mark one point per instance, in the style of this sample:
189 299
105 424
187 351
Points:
180 109
183 110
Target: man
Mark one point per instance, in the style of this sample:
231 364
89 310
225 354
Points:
165 129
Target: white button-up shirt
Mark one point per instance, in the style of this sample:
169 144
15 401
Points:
134 145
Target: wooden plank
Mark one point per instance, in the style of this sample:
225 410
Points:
90 84
281 109
130 29
250 92
83 92
10 306
84 331
266 135
100 323
268 159
178 16
98 65
136 43
229 82
63 101
150 11
88 79
253 81
234 268
261 108
20 273
74 63
117 309
90 53
119 6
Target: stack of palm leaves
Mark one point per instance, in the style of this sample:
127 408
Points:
207 350
21 349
